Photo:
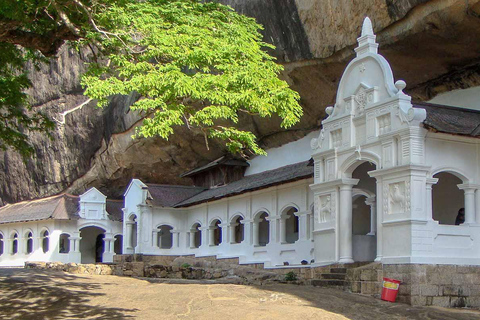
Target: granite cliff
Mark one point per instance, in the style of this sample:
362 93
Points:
433 45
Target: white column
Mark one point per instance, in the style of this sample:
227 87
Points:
302 225
192 238
379 211
175 235
272 225
224 232
204 237
129 236
477 209
255 227
469 191
429 205
156 241
247 231
232 232
373 215
283 229
345 219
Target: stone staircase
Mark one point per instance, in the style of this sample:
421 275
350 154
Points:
334 277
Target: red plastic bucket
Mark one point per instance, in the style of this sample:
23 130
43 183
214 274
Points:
390 289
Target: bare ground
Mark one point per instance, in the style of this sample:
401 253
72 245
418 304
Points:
45 294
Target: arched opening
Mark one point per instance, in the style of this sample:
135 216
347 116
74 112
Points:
92 244
64 243
15 243
238 229
118 244
45 240
364 242
261 232
290 225
447 199
361 216
164 237
1 244
29 242
195 236
215 233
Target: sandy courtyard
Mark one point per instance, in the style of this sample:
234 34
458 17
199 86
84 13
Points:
38 294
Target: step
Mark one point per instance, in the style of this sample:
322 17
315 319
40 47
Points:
327 283
333 276
338 270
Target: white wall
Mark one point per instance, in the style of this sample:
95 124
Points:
290 153
466 98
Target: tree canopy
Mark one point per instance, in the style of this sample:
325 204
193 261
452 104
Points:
198 64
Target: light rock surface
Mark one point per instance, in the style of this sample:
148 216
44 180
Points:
433 45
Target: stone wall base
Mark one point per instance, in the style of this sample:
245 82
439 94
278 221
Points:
77 268
422 285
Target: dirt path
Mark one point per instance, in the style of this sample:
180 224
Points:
38 294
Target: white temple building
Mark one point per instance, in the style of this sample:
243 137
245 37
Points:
382 181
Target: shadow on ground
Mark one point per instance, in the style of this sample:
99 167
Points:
358 307
50 295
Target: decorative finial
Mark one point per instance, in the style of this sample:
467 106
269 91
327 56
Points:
367 29
400 85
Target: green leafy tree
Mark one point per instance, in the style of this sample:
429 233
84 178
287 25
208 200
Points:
193 63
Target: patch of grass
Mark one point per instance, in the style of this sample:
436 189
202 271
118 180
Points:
186 265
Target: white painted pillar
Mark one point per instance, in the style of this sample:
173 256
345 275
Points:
469 191
379 211
302 225
175 235
272 225
373 215
232 227
283 229
156 241
224 232
204 237
192 238
429 201
247 231
255 228
129 236
477 209
345 219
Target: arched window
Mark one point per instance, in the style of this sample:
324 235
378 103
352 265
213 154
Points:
447 199
215 233
45 241
1 244
238 230
261 232
195 236
15 243
290 234
29 242
64 243
118 245
164 237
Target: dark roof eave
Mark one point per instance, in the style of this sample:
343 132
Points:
245 191
33 220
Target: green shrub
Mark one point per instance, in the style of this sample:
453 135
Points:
290 276
185 265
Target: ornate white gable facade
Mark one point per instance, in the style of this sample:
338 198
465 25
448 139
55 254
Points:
374 122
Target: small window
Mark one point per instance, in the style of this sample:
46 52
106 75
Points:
1 244
45 241
15 244
64 243
29 244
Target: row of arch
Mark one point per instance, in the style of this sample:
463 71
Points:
29 246
289 230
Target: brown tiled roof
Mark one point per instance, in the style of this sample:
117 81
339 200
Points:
61 207
224 160
114 209
452 120
290 173
169 195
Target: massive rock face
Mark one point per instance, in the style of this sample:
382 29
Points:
433 45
